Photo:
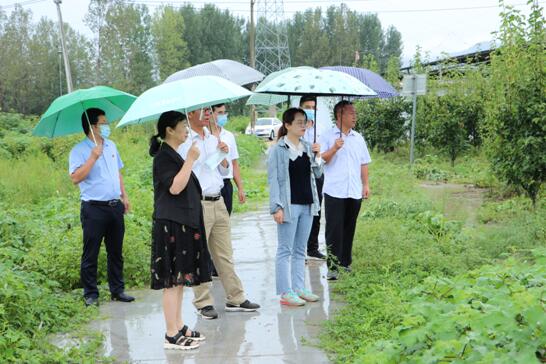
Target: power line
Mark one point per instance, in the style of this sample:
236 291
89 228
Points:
380 11
21 3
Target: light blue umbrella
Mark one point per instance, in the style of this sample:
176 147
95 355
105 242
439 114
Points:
183 95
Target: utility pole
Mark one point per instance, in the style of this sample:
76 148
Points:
63 46
252 36
252 58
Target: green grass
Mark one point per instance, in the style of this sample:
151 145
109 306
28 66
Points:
402 239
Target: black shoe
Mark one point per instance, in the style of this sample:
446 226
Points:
91 301
208 313
122 297
246 306
316 255
332 275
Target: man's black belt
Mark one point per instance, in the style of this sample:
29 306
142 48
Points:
211 198
105 203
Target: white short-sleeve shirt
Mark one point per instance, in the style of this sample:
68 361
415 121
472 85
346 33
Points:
211 180
228 138
342 175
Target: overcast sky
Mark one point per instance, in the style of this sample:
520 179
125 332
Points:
458 25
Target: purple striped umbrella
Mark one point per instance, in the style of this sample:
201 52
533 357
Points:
371 79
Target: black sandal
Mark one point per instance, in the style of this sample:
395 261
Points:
195 335
179 342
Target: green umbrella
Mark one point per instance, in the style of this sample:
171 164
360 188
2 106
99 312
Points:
184 95
63 117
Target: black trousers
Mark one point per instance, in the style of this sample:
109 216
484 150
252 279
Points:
227 194
341 217
102 222
312 243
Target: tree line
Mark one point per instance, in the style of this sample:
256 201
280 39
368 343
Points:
134 49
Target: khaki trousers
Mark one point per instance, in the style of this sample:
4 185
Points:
218 230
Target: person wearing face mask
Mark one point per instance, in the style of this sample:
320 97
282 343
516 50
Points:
211 168
308 104
94 165
217 122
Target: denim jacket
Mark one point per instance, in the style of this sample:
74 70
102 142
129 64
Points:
278 178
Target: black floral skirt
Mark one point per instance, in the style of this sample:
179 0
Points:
179 255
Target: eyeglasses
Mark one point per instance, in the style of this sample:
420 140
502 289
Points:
299 123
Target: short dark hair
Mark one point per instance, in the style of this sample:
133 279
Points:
340 105
92 118
306 98
214 107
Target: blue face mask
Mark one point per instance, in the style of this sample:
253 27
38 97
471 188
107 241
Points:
104 131
310 114
222 120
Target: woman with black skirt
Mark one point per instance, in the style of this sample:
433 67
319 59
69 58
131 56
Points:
179 250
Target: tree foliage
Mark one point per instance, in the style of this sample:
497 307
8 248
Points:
515 123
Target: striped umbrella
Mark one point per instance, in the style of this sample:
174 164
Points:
371 79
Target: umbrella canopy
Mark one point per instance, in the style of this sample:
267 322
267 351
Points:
63 117
270 99
235 72
185 95
371 79
311 81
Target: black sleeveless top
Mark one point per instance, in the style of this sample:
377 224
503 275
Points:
300 180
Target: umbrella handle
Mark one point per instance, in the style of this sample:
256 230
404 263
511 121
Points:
341 120
89 123
315 125
215 124
189 124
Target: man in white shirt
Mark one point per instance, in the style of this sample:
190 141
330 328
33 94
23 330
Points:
218 121
308 104
210 169
345 185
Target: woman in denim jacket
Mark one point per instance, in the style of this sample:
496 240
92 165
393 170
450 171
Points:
293 166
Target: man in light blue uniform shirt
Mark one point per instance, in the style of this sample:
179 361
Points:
94 165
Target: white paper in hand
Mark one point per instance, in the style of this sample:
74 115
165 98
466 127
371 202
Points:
215 158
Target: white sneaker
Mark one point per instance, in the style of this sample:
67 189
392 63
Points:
307 295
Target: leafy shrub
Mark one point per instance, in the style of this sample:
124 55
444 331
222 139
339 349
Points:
383 122
516 112
493 314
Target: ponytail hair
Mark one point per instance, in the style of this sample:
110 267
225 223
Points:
287 118
168 119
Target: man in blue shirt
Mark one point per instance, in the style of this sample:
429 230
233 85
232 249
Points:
94 165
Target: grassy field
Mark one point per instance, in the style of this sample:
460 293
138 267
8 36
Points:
412 248
411 267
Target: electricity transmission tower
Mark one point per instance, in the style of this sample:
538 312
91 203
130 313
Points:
271 37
